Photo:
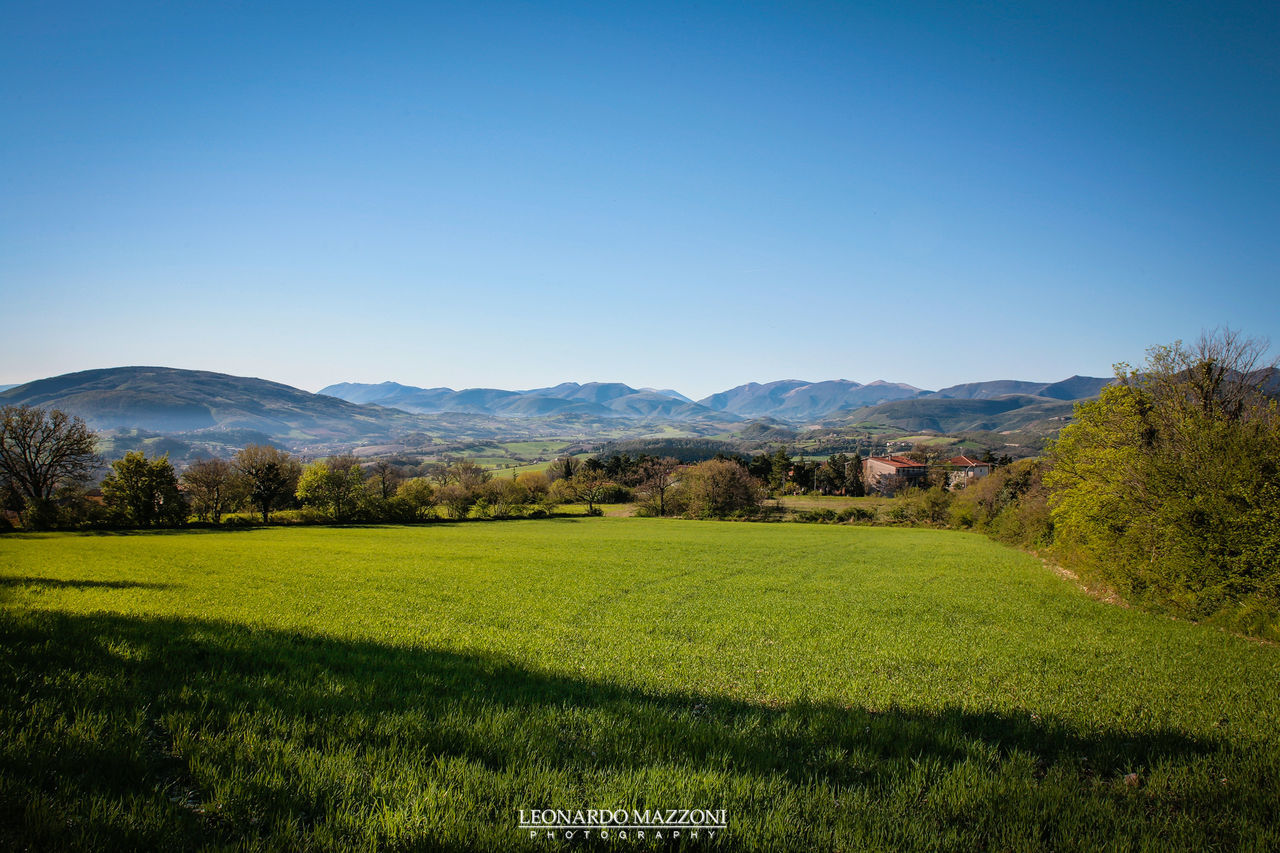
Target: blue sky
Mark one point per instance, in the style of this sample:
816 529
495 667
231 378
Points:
688 195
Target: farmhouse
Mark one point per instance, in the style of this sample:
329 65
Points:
965 469
889 473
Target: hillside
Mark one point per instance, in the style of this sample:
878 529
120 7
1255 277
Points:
946 415
797 400
1075 388
169 400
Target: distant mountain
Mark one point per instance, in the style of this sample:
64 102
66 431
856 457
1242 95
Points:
949 415
1075 388
753 399
797 400
169 400
599 399
987 390
7 387
1268 379
669 392
355 392
206 409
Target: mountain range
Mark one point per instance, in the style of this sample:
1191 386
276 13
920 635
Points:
788 399
600 399
202 405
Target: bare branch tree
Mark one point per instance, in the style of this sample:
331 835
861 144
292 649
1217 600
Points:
43 451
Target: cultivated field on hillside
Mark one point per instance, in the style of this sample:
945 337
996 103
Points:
829 687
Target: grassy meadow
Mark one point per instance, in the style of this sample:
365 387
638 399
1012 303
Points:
830 687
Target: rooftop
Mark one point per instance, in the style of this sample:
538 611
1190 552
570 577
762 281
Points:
897 461
966 461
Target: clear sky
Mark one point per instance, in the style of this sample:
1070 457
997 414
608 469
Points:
687 195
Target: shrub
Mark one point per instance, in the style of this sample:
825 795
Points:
817 516
720 488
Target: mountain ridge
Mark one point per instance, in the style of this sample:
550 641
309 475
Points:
201 405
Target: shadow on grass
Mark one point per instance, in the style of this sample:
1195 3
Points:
56 583
226 685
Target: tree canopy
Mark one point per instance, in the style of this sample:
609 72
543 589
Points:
144 492
1169 483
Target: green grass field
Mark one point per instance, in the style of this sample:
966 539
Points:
829 687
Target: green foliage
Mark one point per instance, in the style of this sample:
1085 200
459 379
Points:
818 516
719 488
271 477
1167 485
418 498
830 687
935 505
779 469
144 492
1011 504
335 487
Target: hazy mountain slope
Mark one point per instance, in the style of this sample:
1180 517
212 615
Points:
603 399
820 398
988 390
942 414
522 406
1269 379
169 400
795 399
670 392
751 399
1076 388
591 392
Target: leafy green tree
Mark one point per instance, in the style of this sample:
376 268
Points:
718 488
587 486
830 476
780 469
418 496
271 476
854 485
1165 485
536 483
334 486
144 492
760 466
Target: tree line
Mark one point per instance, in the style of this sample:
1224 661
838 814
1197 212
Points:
47 461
